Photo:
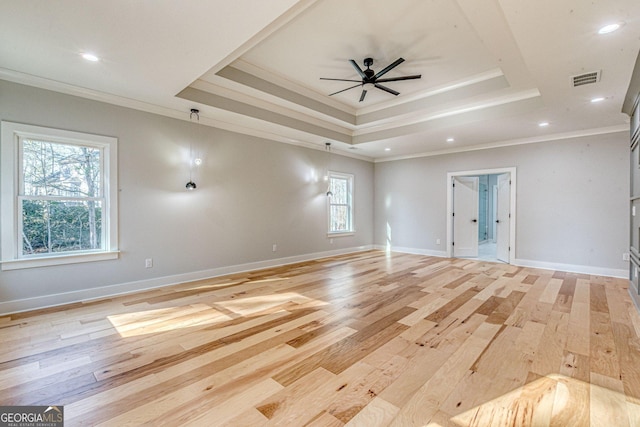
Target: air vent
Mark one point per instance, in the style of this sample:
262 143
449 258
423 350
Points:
586 78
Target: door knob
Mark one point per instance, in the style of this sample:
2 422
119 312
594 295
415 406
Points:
474 220
497 221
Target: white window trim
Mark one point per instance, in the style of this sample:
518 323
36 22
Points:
333 234
352 231
11 133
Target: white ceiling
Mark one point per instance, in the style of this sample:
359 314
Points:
491 69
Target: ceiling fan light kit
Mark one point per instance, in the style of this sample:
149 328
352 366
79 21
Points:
370 77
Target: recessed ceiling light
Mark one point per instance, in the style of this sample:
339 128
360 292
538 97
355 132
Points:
609 28
90 57
543 124
450 139
387 149
598 99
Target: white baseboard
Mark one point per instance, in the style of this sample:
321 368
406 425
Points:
572 268
44 301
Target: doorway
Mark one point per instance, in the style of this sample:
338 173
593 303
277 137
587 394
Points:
481 214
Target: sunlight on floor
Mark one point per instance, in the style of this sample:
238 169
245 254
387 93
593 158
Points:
180 317
165 319
249 306
557 400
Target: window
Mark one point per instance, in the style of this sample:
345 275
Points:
340 203
59 199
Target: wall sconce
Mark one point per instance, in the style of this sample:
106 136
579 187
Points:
327 147
192 185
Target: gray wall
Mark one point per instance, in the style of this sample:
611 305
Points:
252 193
572 198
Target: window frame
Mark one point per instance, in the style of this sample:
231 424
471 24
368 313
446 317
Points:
11 184
350 204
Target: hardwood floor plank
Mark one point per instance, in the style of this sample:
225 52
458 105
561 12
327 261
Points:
249 418
377 413
418 371
451 306
529 339
548 358
628 352
575 365
226 411
530 279
506 307
550 293
603 354
579 336
357 395
598 298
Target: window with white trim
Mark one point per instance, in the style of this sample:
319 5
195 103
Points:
340 196
59 196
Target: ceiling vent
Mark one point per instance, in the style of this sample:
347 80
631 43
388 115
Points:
586 78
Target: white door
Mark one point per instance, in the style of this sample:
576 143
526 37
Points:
465 216
503 217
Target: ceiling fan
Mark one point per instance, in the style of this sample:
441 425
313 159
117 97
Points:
370 77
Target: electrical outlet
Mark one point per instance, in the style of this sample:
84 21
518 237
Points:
274 248
148 263
437 241
625 256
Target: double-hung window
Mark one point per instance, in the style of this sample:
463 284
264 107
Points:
340 203
59 196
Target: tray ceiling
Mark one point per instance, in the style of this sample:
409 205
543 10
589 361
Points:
492 70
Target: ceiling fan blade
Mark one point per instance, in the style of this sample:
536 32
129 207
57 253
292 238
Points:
386 89
340 80
358 69
364 93
335 93
389 67
395 79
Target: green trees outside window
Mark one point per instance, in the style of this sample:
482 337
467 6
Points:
61 197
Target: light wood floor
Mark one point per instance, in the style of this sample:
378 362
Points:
366 339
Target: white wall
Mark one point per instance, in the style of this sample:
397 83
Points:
252 193
572 198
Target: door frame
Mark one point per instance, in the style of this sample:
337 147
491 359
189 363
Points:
512 201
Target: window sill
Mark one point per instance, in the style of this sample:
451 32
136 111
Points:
341 234
58 260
